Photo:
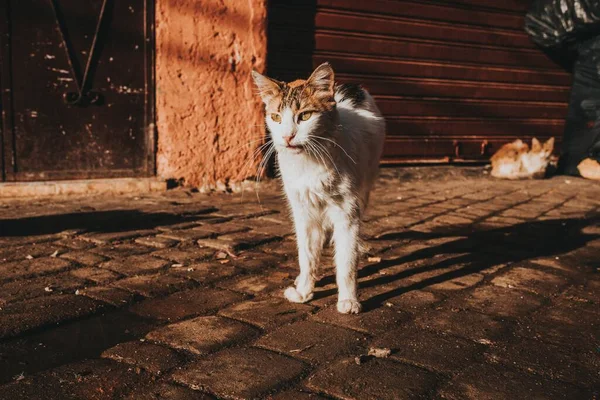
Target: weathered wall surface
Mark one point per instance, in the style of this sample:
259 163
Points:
207 110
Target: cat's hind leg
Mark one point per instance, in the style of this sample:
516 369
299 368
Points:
310 237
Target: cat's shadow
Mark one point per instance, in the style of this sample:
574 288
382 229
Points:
472 251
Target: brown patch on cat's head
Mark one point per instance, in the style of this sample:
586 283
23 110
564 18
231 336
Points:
313 94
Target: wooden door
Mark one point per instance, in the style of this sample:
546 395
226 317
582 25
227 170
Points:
77 84
454 79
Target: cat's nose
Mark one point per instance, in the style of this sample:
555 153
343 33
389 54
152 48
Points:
288 139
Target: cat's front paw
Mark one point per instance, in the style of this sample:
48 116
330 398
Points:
295 296
349 307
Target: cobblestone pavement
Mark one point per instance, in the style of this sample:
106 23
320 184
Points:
481 289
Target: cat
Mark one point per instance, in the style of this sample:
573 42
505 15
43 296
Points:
328 140
516 161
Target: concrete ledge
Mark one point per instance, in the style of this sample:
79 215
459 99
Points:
81 187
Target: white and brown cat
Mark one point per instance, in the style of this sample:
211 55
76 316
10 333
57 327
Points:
328 139
517 161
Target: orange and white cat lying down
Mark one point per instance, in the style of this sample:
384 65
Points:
516 161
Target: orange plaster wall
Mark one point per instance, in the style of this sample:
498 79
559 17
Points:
206 107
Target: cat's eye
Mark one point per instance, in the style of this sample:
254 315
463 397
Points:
276 117
305 116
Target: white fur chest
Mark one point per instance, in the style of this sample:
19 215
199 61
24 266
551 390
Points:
304 180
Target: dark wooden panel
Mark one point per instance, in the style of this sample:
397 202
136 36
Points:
430 11
404 27
402 48
514 6
390 107
457 89
455 127
442 71
410 68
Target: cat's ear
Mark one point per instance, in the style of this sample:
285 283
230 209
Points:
267 88
322 79
536 146
549 145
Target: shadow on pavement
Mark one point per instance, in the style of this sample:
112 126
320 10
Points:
476 250
95 221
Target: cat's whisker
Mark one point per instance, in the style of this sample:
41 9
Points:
317 152
248 163
248 144
335 143
261 167
329 156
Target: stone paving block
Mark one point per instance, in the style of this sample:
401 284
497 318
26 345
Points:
69 342
158 242
531 280
151 357
93 274
37 287
414 300
270 227
296 395
186 256
186 235
122 250
236 242
111 295
165 391
494 381
202 335
26 240
245 211
285 248
110 237
473 212
181 225
556 362
135 265
84 257
464 323
372 321
555 324
16 318
225 228
28 268
74 244
39 250
204 272
268 312
314 341
93 380
588 293
376 379
452 220
180 305
240 373
257 262
153 285
459 283
272 283
503 302
433 351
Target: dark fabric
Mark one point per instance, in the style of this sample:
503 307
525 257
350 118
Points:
569 32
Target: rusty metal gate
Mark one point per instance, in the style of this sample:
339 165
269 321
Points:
454 79
77 89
